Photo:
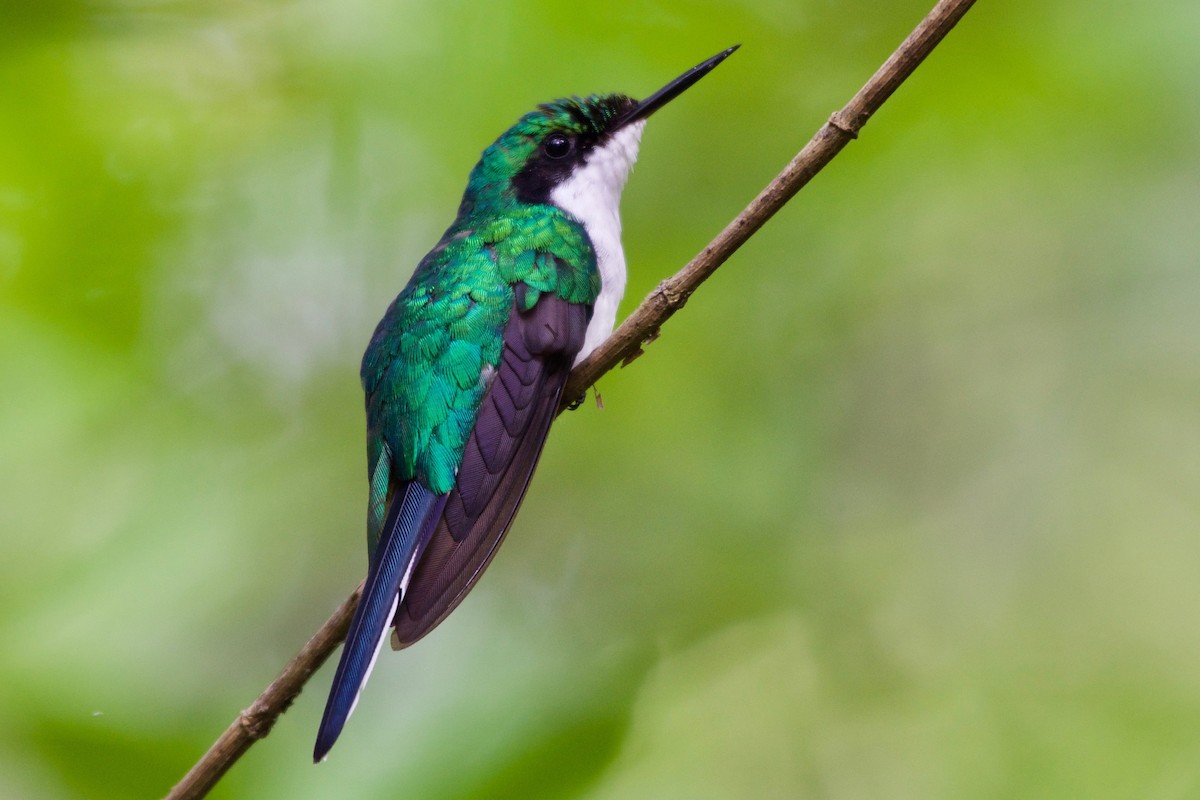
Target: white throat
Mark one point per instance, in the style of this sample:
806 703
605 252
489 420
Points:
593 196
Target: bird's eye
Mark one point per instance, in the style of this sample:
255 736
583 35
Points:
556 146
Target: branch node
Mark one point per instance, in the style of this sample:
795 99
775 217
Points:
632 357
674 299
257 720
836 121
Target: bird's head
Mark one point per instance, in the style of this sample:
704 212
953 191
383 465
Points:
571 146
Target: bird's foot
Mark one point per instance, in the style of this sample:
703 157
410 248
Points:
579 401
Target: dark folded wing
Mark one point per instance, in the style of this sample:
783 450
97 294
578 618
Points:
540 346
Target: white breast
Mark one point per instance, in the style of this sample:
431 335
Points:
593 196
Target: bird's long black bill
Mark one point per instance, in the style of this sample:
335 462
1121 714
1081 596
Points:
675 88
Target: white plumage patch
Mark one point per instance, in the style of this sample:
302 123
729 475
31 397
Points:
593 196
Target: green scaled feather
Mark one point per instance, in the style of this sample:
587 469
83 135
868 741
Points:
377 503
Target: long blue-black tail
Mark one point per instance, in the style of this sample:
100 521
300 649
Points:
406 529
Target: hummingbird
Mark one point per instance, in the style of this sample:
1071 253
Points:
465 372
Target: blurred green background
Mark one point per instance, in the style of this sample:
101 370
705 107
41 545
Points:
905 504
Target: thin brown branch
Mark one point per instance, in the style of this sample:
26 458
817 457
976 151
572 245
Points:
623 346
